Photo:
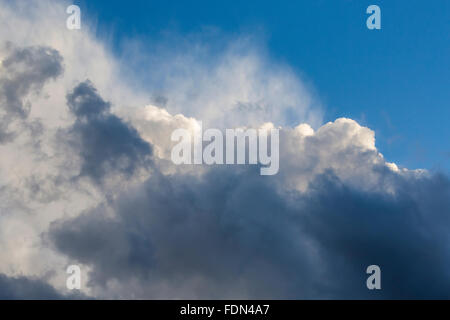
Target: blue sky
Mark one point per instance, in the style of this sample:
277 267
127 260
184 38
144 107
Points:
394 80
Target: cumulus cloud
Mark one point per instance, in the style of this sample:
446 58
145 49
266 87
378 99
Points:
93 183
343 146
236 234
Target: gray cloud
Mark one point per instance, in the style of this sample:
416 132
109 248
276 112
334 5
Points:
24 71
16 288
105 143
172 230
234 235
406 234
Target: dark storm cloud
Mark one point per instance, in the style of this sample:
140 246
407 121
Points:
179 228
16 288
406 234
105 143
24 71
115 251
239 235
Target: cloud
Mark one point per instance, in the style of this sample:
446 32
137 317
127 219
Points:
24 71
182 234
234 83
23 288
401 233
104 142
36 169
156 125
232 234
344 146
92 182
